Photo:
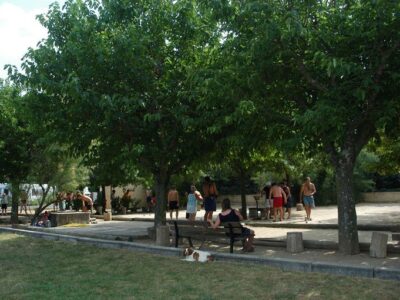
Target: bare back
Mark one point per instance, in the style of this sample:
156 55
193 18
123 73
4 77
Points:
276 191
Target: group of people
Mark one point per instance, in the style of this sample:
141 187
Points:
76 201
5 200
208 199
279 200
277 197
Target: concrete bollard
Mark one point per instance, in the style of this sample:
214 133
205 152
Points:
151 231
294 242
107 216
162 235
299 207
378 247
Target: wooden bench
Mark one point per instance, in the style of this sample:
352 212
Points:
200 230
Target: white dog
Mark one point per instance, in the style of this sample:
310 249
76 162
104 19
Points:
197 255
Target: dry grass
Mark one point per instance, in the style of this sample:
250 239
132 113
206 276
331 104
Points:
40 269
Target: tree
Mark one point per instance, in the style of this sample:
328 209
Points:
126 76
332 67
15 144
53 168
344 56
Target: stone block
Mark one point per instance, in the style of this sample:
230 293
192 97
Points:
107 216
162 235
68 217
294 242
151 231
378 247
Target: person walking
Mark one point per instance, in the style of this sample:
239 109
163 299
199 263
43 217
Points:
173 201
191 208
5 199
24 201
307 196
210 197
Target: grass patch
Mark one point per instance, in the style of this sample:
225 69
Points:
41 269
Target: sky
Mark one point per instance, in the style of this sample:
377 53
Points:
19 29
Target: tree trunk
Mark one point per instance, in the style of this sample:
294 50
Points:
41 207
347 217
162 180
14 202
243 194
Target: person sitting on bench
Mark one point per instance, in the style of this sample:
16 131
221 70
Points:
229 214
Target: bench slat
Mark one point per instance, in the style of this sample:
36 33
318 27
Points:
201 231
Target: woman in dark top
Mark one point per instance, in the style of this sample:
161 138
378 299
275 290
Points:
232 215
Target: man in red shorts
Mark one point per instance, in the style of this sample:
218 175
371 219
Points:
279 196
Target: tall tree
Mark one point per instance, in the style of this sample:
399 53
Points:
125 75
333 66
346 56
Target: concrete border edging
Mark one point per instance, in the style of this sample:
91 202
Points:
167 251
283 264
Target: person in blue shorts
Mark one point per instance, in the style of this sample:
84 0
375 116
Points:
307 195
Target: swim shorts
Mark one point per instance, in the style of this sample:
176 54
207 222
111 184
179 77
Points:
278 202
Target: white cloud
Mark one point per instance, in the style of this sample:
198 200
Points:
19 30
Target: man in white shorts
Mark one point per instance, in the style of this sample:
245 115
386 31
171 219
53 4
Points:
269 203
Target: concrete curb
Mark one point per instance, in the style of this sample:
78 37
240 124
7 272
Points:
283 264
361 227
167 251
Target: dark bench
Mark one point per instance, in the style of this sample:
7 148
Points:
200 230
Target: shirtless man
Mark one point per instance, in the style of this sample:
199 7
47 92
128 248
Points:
307 195
24 201
173 201
87 202
279 196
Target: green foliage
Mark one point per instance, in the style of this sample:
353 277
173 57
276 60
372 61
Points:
16 138
384 150
125 87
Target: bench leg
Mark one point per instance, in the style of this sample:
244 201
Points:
176 241
231 245
190 242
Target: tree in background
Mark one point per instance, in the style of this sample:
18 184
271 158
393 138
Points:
331 67
345 58
129 77
15 143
